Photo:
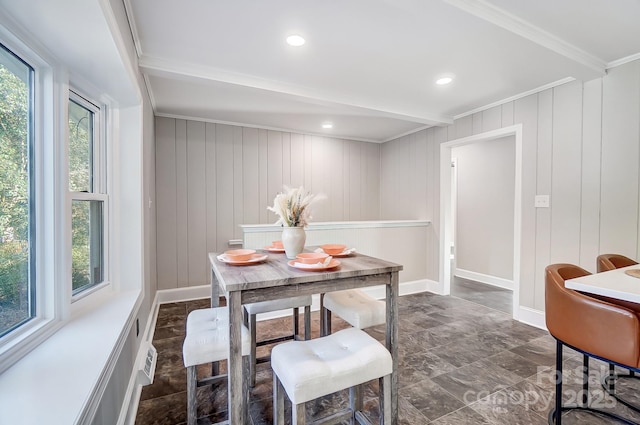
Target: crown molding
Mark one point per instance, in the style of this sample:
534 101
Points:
516 97
497 16
150 93
407 133
624 60
491 105
128 8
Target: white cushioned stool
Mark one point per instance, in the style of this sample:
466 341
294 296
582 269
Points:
253 309
307 370
354 306
207 341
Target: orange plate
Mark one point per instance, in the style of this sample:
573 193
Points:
633 272
332 265
255 258
343 255
273 249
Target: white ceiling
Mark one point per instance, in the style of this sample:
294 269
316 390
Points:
368 66
77 34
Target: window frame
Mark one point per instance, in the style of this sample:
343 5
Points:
55 304
99 186
48 310
33 225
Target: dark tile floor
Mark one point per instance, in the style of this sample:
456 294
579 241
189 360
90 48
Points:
461 363
479 293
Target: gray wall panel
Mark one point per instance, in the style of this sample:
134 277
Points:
581 145
196 200
166 242
566 173
182 238
213 177
591 176
620 159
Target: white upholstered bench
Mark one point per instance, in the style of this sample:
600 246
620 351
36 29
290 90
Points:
253 309
207 341
307 370
354 306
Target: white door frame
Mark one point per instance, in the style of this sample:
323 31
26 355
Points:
454 207
446 221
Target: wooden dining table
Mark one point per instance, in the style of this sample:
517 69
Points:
275 279
614 284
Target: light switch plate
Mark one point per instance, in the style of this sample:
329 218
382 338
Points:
542 201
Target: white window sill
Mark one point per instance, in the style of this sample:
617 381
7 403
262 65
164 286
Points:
56 381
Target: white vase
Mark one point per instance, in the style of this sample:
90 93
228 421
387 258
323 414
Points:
293 239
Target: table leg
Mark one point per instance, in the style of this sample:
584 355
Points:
392 342
215 290
236 414
215 302
322 324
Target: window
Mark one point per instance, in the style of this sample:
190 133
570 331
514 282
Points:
53 200
88 195
55 205
17 205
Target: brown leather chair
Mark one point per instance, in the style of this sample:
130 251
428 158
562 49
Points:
608 262
591 326
605 263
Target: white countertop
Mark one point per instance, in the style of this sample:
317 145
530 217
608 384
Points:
614 284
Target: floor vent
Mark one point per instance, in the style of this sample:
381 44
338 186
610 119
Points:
148 366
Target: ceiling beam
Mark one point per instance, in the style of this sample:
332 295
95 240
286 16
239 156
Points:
512 23
163 67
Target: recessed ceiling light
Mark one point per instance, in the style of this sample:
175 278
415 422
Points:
444 80
295 40
327 125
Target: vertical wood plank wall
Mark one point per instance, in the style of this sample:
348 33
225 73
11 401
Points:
581 146
409 175
210 178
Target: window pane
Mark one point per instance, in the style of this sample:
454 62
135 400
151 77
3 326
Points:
17 303
86 251
80 148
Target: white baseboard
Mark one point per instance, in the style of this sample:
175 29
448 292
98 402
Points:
532 317
134 390
187 293
434 287
484 278
128 412
406 288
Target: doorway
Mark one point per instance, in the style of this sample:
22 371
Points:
446 206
